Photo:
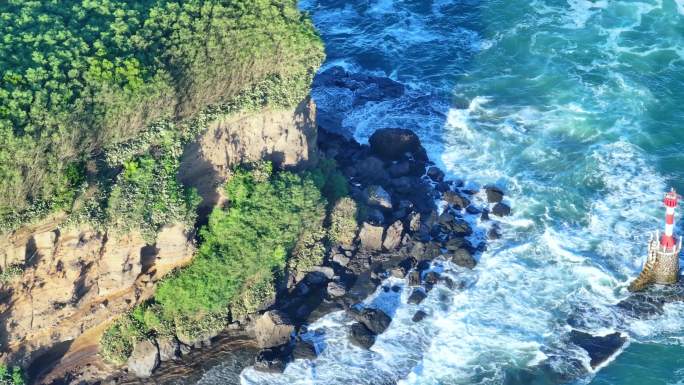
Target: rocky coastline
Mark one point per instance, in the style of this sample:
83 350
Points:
410 215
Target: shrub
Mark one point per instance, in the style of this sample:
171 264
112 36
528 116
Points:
343 222
11 377
250 238
118 341
309 250
81 76
10 273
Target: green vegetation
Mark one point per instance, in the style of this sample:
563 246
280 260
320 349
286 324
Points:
10 273
343 222
274 223
82 76
11 377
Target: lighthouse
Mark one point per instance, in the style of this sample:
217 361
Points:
662 262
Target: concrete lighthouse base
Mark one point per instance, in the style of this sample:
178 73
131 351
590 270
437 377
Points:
661 267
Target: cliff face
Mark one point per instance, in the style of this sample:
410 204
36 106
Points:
77 279
285 137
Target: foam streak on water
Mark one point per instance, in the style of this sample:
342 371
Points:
574 107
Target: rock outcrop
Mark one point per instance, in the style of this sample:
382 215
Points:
76 279
285 137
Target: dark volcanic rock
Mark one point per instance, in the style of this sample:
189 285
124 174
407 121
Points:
371 170
600 349
463 258
419 316
376 196
414 278
431 278
361 336
417 296
399 169
273 360
501 209
303 351
394 143
494 194
435 174
374 319
456 199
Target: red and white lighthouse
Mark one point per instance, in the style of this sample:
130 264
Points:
668 241
662 261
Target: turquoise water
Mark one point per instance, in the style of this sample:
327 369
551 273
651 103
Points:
576 109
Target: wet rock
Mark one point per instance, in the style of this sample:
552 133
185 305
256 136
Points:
169 349
371 170
414 221
408 263
501 209
417 296
377 197
273 328
414 278
396 288
303 350
370 237
463 258
336 290
456 200
431 278
472 210
361 336
484 216
419 316
374 319
393 236
399 169
600 348
394 143
423 265
398 272
144 359
494 233
435 174
494 194
272 360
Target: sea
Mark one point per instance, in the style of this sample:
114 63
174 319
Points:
575 108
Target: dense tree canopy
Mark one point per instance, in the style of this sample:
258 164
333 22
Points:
78 75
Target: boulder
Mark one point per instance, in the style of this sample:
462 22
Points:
272 360
394 143
435 174
501 210
494 194
374 319
399 169
336 290
273 328
414 221
377 197
393 236
599 348
303 350
169 349
417 296
493 233
340 259
419 316
144 359
370 237
431 278
463 258
371 169
361 336
414 278
397 272
456 200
